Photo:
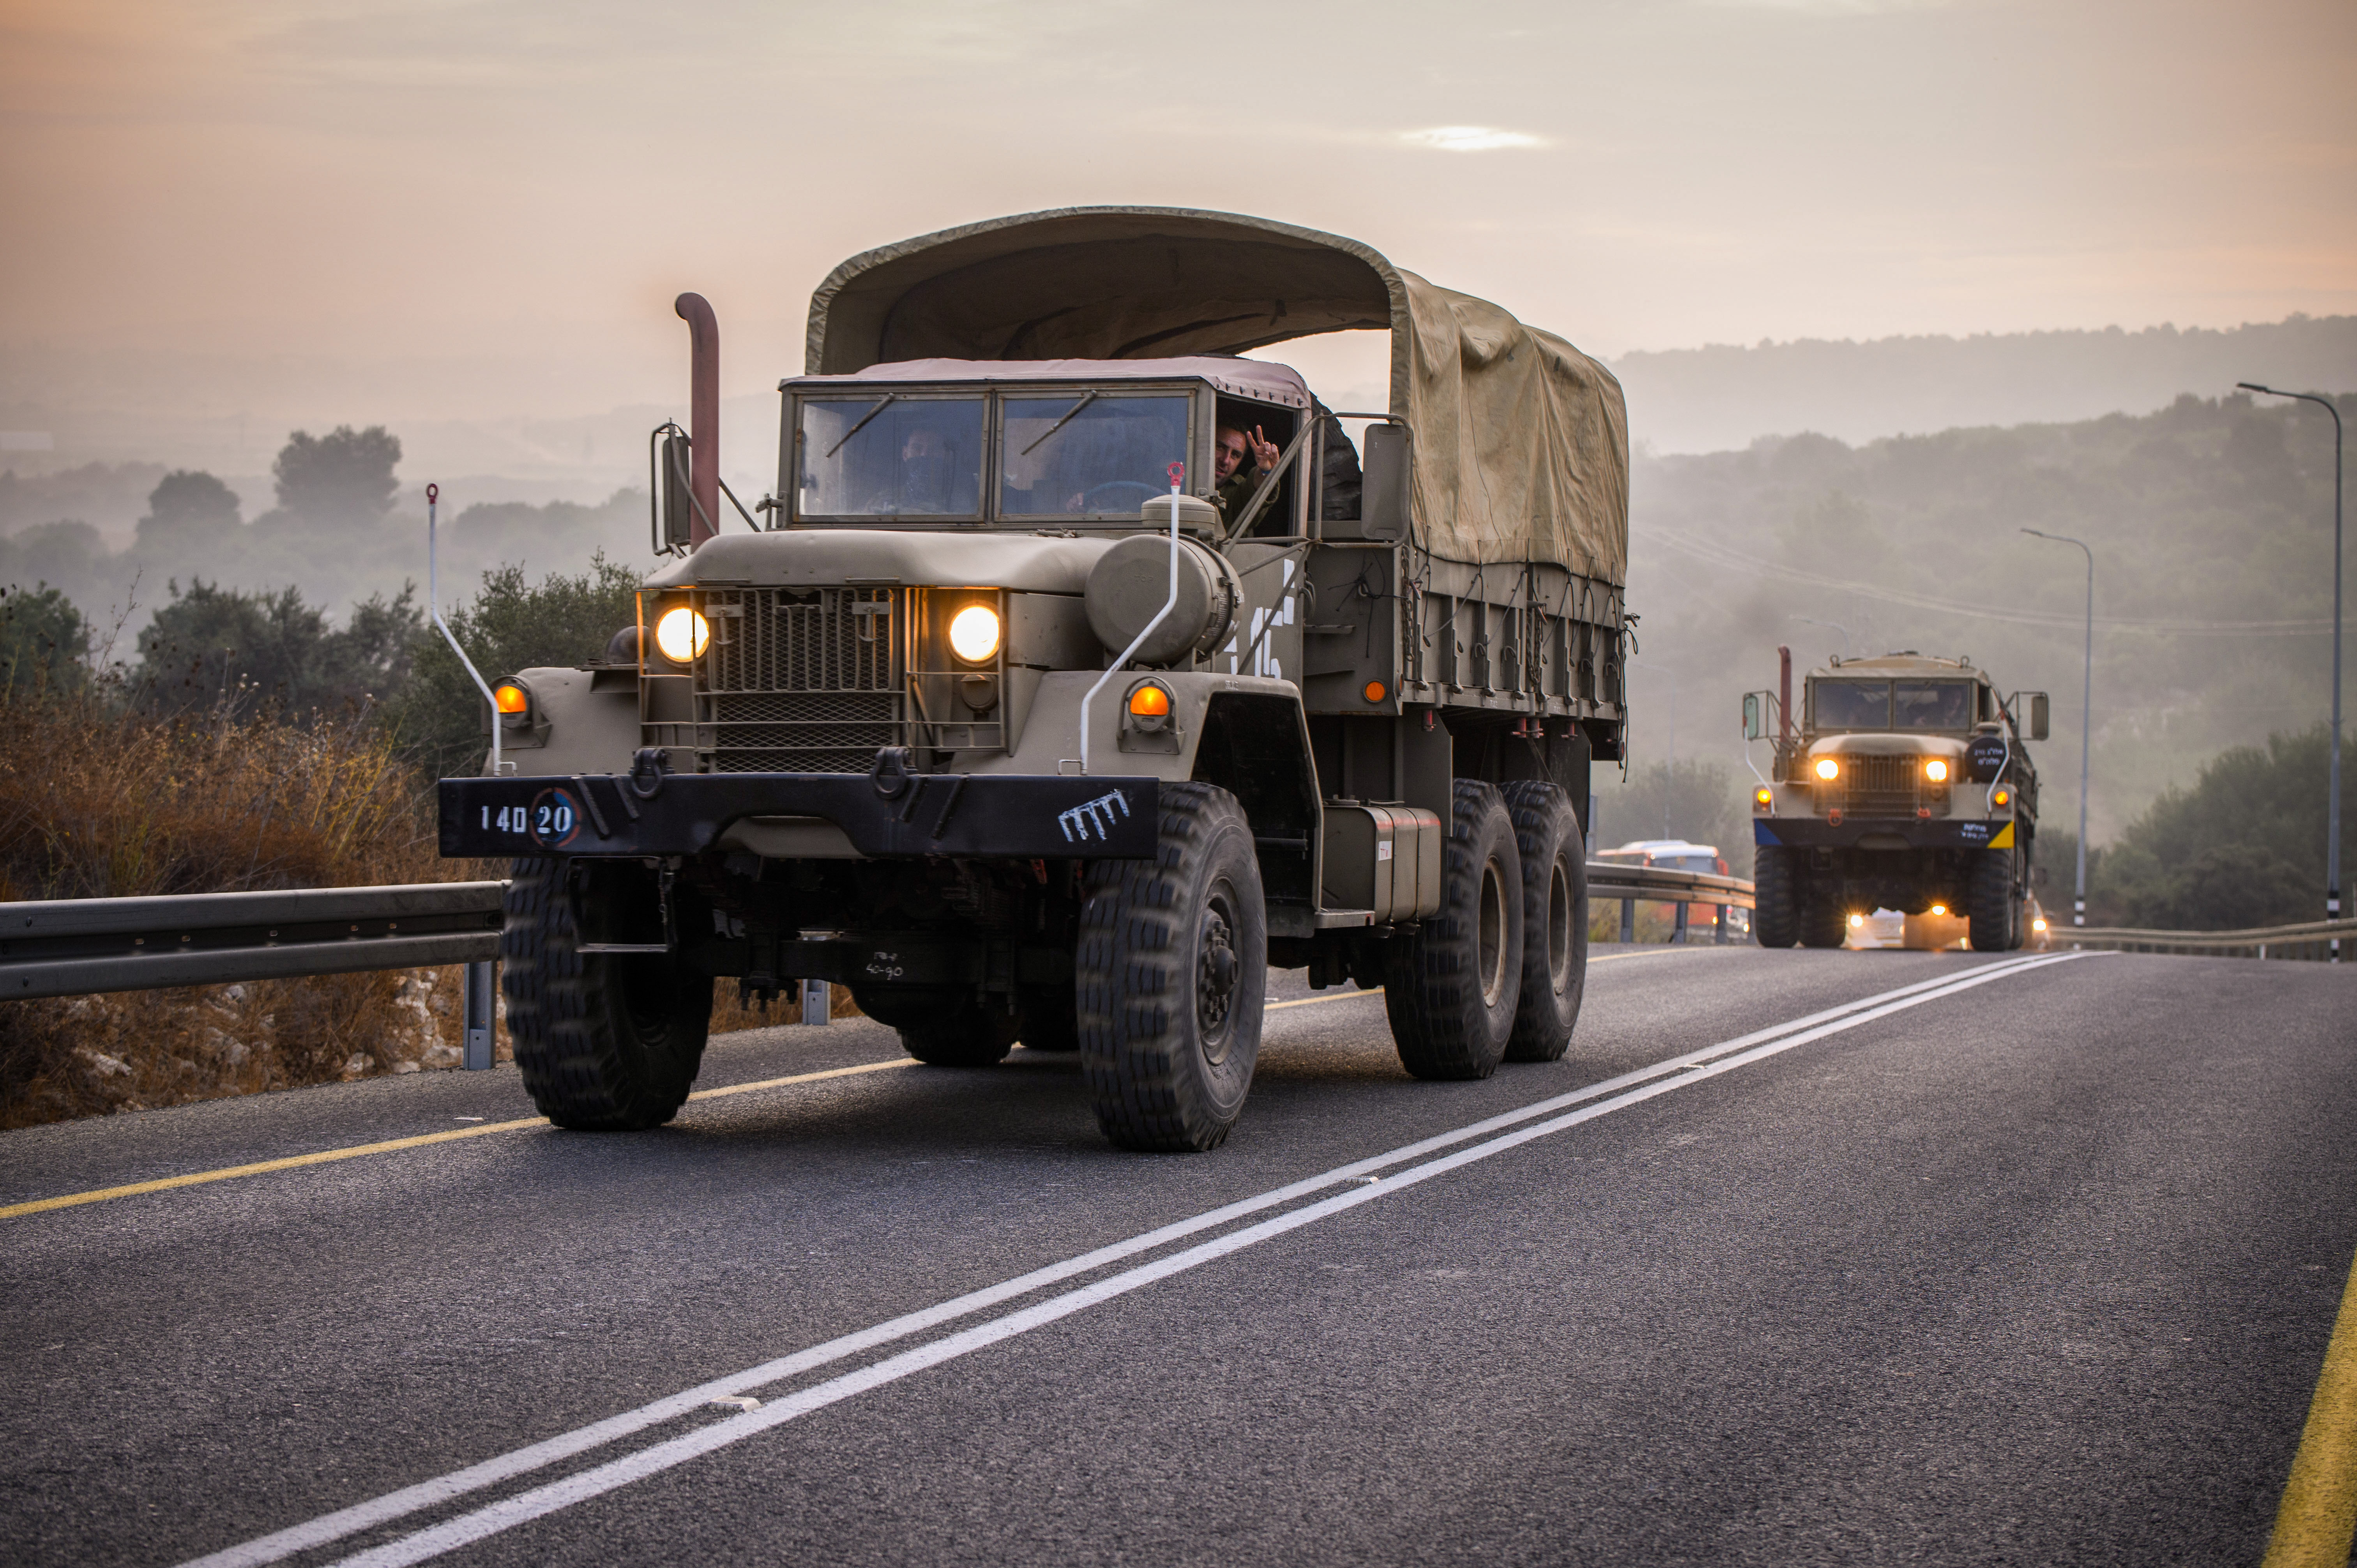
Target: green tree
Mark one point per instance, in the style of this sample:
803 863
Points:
189 510
512 625
345 475
2244 846
1691 799
43 641
212 644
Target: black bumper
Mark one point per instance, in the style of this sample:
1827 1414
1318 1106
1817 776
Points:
1851 832
1014 816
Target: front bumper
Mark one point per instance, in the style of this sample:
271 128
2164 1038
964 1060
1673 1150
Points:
1014 816
1877 833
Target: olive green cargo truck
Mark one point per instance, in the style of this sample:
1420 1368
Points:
1004 712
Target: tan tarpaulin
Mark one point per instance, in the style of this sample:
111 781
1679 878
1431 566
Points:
1521 441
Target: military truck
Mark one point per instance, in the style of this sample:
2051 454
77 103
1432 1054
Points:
1006 711
1904 787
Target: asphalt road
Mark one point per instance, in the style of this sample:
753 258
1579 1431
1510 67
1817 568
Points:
2040 1271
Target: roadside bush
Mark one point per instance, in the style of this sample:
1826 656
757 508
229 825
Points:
99 800
439 718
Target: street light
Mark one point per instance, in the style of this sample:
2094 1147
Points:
2086 721
1834 625
2332 809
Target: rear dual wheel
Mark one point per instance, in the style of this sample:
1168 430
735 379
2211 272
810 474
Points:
1452 987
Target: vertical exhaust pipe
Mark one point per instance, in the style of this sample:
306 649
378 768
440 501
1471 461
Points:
1783 699
703 416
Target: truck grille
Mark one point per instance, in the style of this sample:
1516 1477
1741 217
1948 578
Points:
801 680
1878 787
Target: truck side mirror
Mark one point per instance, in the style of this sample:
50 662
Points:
1755 715
2038 715
1383 495
671 504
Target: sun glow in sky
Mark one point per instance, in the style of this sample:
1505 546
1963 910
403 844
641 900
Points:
371 211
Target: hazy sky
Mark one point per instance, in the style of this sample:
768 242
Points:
337 210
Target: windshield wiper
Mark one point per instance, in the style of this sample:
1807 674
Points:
1070 414
888 399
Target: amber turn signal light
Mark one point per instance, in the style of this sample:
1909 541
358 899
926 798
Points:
1374 692
511 698
2002 798
1763 796
1150 701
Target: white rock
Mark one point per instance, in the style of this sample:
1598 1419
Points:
360 1062
106 1066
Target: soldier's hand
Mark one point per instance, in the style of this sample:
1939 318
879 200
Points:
1263 451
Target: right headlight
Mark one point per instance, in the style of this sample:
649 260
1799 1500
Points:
683 635
1828 769
973 633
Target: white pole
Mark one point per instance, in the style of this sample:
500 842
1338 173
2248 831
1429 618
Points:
434 604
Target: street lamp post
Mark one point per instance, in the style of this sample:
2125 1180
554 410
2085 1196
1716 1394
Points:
1834 625
2333 773
2086 721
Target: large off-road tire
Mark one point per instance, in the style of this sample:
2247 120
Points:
1776 922
1452 987
605 1042
1554 920
941 1026
1993 902
1172 973
1824 923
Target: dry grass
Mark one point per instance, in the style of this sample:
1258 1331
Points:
99 801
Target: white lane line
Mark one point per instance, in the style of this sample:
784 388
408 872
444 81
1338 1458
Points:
522 1461
509 1512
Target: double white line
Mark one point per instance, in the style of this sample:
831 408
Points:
1363 1181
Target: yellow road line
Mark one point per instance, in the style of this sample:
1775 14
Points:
393 1145
2318 1513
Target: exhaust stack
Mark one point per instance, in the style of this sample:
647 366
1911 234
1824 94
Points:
1783 698
703 416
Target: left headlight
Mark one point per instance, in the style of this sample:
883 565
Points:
973 633
683 635
1936 770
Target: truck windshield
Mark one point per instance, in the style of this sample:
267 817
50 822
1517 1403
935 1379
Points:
1932 705
1851 705
890 455
1089 454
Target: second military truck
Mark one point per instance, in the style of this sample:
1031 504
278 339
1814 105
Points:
1078 671
1905 786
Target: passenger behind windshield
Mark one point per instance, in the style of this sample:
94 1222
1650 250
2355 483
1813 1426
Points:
1089 456
1852 704
1237 482
891 456
1933 705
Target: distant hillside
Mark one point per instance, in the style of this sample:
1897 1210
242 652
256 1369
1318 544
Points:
2211 526
1721 397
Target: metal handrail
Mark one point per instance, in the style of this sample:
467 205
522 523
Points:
1661 884
2189 941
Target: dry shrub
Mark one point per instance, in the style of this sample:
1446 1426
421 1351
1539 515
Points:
99 801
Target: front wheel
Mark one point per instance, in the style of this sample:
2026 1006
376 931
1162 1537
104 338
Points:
1173 972
1824 923
1775 918
1993 906
605 1042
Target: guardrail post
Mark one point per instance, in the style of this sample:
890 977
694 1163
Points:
1627 919
815 998
1678 935
1722 925
482 979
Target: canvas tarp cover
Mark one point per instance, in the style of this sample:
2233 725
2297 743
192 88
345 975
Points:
1521 441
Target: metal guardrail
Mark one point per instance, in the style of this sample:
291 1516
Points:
74 947
1633 885
2323 936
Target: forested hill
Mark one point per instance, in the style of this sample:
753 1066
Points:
2212 527
1725 396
